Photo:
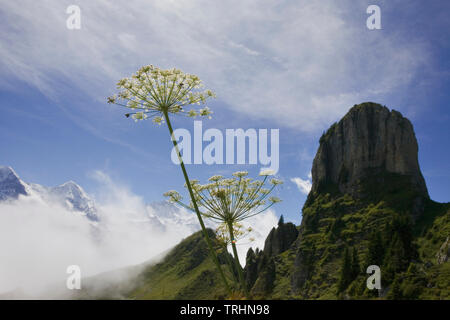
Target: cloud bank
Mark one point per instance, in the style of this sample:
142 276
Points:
39 240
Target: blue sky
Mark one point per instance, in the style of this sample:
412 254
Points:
296 66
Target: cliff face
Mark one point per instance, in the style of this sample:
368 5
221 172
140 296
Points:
368 139
279 239
260 270
368 200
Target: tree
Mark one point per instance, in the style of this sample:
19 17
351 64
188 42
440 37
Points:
396 292
376 250
356 269
346 271
402 226
401 249
281 221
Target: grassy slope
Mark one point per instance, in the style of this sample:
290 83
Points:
432 231
187 272
332 221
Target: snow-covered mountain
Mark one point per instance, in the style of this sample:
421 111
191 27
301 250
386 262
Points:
167 213
10 184
160 215
69 195
75 199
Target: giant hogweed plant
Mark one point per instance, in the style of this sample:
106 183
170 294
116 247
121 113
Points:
157 94
228 202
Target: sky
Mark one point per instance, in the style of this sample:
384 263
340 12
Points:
296 66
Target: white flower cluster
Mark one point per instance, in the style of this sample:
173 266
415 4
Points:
239 233
230 200
154 92
173 196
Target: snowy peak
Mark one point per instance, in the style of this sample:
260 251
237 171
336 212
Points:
75 198
69 190
10 184
5 172
69 194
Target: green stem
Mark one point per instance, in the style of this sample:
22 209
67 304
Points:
230 264
236 258
197 211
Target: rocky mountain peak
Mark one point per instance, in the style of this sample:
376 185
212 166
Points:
368 139
6 172
280 238
69 194
10 184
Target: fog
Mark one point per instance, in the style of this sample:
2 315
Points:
40 239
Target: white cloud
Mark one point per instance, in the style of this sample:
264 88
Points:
301 64
244 48
38 239
261 226
303 185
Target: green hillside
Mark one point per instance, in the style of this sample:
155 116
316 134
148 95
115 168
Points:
187 272
372 231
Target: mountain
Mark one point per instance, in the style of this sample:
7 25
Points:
368 205
69 195
11 187
159 215
74 198
368 143
369 139
166 214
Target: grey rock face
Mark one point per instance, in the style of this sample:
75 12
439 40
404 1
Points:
260 267
369 136
444 252
303 266
251 268
265 281
280 239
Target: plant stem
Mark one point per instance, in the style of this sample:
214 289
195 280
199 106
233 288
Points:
231 265
236 258
197 211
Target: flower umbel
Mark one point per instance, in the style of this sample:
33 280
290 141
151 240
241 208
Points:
151 91
231 200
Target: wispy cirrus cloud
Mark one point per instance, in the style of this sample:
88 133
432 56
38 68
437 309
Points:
300 64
